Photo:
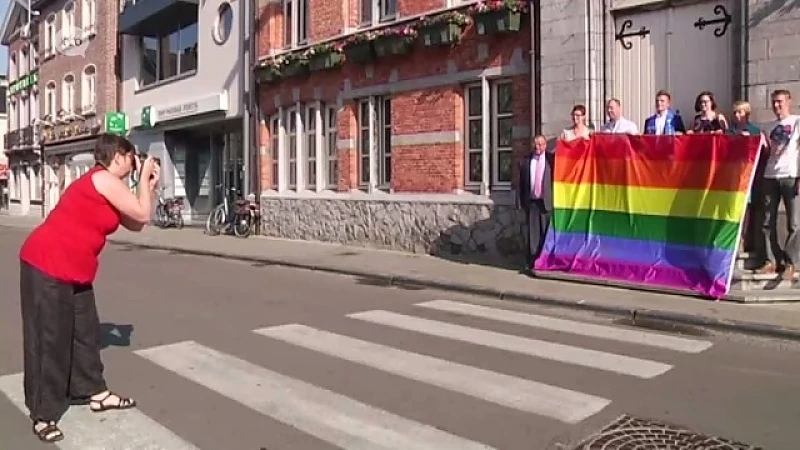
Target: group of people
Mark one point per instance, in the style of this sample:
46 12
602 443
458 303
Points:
777 177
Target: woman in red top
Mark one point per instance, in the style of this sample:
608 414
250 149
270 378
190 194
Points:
58 263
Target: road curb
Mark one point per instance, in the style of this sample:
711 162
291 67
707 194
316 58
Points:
742 327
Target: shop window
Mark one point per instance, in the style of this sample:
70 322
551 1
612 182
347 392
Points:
499 116
170 55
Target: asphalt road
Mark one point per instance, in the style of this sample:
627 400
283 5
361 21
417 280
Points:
225 355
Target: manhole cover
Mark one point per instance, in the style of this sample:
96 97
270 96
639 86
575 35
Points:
631 433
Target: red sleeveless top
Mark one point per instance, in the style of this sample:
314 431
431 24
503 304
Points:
66 245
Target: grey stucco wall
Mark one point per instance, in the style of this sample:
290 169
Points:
773 52
575 66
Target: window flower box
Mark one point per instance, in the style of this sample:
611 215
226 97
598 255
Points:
324 57
294 69
359 49
498 16
444 29
394 41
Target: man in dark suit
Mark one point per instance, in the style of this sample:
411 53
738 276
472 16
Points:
535 196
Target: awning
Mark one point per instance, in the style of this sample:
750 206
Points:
152 17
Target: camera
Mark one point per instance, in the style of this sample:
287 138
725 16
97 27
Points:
143 156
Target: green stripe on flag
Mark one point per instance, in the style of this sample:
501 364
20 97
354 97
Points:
673 230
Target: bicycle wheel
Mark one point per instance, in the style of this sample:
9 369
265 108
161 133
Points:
160 217
215 221
243 225
177 219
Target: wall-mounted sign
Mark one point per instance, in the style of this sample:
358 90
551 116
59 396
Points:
116 123
151 115
24 83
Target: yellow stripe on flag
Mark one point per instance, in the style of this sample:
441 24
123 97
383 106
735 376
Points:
691 203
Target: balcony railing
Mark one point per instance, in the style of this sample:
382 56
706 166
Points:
19 138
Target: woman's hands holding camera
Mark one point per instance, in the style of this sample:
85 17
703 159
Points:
151 171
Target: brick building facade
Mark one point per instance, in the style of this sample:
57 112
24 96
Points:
78 84
405 142
21 147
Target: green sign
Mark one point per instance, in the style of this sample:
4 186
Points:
147 117
24 83
116 123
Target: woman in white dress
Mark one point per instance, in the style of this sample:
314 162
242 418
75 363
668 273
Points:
579 129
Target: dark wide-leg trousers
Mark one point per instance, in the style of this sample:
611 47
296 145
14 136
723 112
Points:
61 340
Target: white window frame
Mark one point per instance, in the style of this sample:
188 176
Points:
50 99
296 29
490 150
311 132
34 105
24 63
379 150
13 74
50 35
379 11
331 147
34 60
89 90
274 150
68 24
68 94
292 117
89 18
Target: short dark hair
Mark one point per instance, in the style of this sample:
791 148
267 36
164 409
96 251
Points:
108 145
664 93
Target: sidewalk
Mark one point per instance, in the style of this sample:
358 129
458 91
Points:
776 320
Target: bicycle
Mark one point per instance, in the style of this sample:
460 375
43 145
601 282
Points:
169 212
239 218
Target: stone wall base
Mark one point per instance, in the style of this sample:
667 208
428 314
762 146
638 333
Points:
458 229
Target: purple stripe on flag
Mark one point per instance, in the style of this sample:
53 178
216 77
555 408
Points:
716 263
670 277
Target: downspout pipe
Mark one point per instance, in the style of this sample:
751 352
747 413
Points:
536 67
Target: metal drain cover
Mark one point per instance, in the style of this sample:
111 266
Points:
632 433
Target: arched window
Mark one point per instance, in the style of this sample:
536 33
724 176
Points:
50 100
68 94
50 35
88 89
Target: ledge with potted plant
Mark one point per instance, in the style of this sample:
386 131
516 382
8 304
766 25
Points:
498 16
269 71
358 48
324 56
294 64
443 29
394 41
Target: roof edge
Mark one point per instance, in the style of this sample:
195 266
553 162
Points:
12 15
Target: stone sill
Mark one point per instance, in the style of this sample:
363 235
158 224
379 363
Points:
504 198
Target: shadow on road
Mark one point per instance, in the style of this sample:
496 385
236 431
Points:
112 334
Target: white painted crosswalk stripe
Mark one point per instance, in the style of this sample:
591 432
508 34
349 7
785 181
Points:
625 365
331 417
113 430
525 395
664 341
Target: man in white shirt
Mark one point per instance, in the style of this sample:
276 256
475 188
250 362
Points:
616 123
781 184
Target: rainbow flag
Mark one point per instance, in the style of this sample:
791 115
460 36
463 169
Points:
657 210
